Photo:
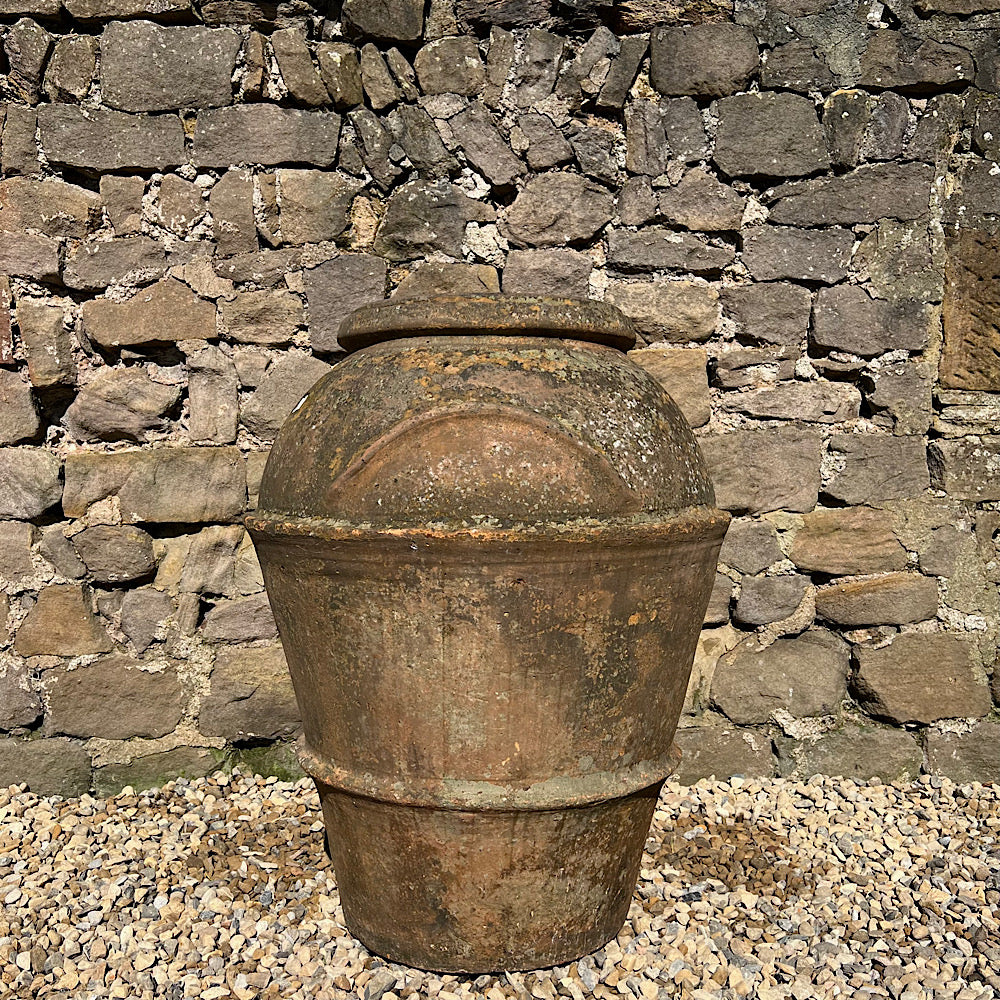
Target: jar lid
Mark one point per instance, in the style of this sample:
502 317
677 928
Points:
487 315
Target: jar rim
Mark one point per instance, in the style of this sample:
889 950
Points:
494 315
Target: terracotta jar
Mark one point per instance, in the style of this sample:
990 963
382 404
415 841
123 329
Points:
489 540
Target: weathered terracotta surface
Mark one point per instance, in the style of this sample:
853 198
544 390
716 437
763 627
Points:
489 554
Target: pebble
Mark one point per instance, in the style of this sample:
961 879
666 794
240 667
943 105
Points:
769 889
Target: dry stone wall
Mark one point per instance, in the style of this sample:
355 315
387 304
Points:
795 200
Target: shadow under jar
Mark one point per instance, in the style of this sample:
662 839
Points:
489 541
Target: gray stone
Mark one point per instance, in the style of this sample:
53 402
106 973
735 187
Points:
167 485
336 287
403 74
584 77
819 402
900 262
765 599
127 260
965 757
19 419
702 60
985 113
484 146
846 319
749 366
450 66
536 67
122 198
499 62
251 696
637 203
16 538
57 549
902 62
121 404
846 114
755 471
261 317
813 255
287 381
890 119
717 612
750 546
231 203
29 482
256 69
847 541
659 248
796 66
770 313
115 553
298 71
265 134
27 46
699 201
240 620
341 73
417 135
805 676
47 767
967 468
433 278
47 342
25 255
62 624
557 208
164 312
147 703
920 677
721 752
101 10
902 396
181 67
209 560
388 20
674 311
20 150
892 599
50 206
769 135
855 752
155 769
99 139
622 73
938 128
547 147
19 701
180 204
683 372
558 273
265 268
877 467
143 614
657 132
377 80
866 194
421 217
213 396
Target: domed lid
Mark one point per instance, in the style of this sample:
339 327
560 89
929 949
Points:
462 411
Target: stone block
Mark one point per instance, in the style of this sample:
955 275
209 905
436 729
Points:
341 74
115 553
104 10
871 192
265 134
314 204
769 135
700 201
47 342
450 66
433 278
25 255
596 150
674 311
241 620
755 471
29 482
148 699
133 260
877 468
684 374
27 45
893 599
16 539
19 420
99 139
557 208
750 546
180 204
547 147
484 147
62 624
805 676
796 66
166 485
740 367
902 396
661 249
335 288
121 404
817 402
765 599
967 468
893 60
143 614
181 67
844 541
770 313
421 217
298 71
165 312
155 769
47 767
557 272
417 135
536 67
721 752
658 132
376 79
386 20
207 562
122 198
262 317
702 60
20 704
855 752
819 256
921 677
278 759
231 204
251 696
58 551
966 757
50 206
717 612
213 396
287 381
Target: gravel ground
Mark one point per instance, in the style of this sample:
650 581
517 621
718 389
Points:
770 889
